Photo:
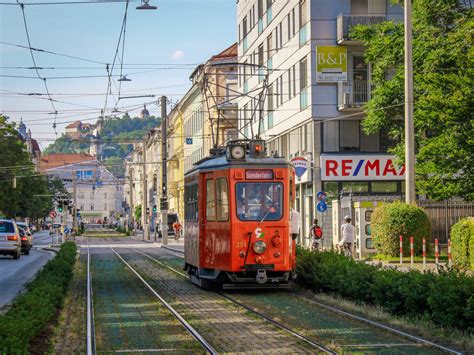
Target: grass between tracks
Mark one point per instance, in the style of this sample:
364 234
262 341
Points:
26 325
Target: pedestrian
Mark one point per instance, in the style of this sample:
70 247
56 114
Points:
177 229
295 223
348 236
316 235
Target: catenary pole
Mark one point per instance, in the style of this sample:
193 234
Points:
409 125
164 173
146 231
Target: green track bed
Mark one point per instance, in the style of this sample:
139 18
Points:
128 317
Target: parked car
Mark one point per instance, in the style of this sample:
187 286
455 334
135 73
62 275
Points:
26 241
10 242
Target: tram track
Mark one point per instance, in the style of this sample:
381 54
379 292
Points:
417 341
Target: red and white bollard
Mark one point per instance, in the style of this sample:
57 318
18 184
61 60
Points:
449 252
401 249
411 252
436 252
424 254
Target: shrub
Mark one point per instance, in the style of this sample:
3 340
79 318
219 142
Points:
462 242
447 299
392 220
32 311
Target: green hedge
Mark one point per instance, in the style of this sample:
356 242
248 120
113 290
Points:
446 299
32 311
462 242
392 220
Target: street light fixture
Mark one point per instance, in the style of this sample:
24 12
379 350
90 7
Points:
146 6
124 78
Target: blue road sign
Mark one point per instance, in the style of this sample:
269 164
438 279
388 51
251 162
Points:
66 230
321 206
321 196
189 140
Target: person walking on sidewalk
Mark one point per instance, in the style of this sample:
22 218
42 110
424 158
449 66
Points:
316 235
177 230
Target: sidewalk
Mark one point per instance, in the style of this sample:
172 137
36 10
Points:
171 241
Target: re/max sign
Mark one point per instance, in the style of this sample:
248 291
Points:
363 167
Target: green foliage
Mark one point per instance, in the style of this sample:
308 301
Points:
66 145
390 221
462 243
32 195
443 93
138 212
445 299
32 311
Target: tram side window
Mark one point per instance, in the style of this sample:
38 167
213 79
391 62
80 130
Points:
210 201
191 202
222 199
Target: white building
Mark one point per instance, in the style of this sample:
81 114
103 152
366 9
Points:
96 192
317 84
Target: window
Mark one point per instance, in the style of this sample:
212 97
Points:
270 98
303 74
269 46
222 199
385 186
257 201
293 22
280 26
210 200
281 90
244 27
355 187
303 13
7 227
191 201
260 9
289 84
349 135
288 20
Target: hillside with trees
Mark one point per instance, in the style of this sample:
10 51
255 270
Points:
116 137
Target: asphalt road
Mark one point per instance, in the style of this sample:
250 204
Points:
14 274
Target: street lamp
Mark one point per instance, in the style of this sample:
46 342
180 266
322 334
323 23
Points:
124 78
146 6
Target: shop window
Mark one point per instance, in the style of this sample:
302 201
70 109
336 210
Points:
210 201
332 189
355 187
384 187
222 199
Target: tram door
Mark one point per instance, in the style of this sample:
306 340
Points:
207 219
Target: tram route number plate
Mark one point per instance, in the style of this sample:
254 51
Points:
259 174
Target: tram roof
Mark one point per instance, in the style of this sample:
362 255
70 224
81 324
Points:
221 162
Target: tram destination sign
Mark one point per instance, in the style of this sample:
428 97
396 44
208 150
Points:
259 174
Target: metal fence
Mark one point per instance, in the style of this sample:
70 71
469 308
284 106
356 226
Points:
444 214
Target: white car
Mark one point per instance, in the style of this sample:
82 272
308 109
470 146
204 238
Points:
10 240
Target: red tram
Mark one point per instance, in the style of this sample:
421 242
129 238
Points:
237 213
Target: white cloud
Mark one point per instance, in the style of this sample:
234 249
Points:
179 54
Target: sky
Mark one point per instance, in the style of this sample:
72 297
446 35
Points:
162 47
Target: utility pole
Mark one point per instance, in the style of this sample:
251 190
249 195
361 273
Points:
146 231
130 179
164 175
74 210
410 196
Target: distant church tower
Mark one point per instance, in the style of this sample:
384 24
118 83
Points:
145 114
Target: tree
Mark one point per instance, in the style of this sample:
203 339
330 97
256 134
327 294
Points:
443 92
33 194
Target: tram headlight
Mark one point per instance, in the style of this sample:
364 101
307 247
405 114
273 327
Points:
237 152
259 247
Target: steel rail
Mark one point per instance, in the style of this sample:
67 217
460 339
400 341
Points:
380 325
230 299
208 347
415 338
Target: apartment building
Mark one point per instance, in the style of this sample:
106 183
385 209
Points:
316 83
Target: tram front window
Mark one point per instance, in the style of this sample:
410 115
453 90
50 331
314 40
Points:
258 201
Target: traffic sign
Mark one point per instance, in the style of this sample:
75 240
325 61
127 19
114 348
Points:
66 230
53 214
321 206
321 196
189 140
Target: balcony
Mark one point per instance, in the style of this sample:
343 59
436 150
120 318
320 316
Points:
229 102
345 23
353 95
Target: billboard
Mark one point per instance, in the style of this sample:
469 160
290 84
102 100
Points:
360 167
331 64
